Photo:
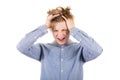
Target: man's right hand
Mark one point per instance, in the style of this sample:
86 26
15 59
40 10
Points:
49 18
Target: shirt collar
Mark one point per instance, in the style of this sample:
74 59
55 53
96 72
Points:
56 44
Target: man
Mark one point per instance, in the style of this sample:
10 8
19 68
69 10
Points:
62 59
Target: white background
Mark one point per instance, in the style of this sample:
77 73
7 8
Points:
99 18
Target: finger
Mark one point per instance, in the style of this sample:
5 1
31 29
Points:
64 18
55 15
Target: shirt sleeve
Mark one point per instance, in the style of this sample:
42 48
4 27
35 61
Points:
27 46
91 49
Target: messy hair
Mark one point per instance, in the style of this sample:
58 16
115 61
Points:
63 12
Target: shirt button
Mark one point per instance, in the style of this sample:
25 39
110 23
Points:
62 49
61 60
61 70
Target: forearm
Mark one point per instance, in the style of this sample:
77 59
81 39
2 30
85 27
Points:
30 38
91 48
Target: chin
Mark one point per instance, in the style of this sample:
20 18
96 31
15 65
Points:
61 43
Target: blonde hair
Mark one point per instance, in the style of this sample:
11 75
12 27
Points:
63 12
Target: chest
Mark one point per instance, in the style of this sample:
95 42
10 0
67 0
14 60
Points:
62 52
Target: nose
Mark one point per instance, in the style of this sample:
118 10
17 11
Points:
60 34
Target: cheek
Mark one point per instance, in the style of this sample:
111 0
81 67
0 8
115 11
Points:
54 34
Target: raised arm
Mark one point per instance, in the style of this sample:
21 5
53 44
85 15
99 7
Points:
91 49
27 46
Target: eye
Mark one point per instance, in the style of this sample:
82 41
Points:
55 30
64 30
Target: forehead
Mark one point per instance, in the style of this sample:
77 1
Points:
60 25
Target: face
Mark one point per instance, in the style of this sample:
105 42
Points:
61 33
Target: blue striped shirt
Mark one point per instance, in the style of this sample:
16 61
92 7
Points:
60 62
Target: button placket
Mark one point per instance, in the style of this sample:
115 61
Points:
62 49
62 55
61 59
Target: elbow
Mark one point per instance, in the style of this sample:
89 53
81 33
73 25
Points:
20 48
98 53
100 50
92 54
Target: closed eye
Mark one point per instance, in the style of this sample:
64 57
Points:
55 30
64 30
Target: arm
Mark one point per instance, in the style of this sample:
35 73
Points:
26 45
91 49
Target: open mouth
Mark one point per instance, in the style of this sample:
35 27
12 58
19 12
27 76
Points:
61 39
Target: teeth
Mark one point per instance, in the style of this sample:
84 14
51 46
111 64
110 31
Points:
61 38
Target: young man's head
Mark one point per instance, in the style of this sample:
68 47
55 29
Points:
58 24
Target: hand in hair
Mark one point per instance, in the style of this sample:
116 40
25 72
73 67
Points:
69 22
60 14
49 18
